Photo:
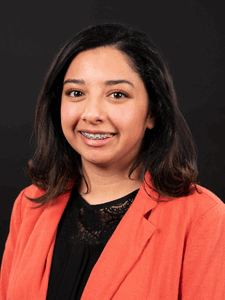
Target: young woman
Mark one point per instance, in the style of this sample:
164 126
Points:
114 210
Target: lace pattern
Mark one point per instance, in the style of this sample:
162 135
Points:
93 224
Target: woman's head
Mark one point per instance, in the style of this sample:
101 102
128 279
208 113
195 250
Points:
104 109
159 144
144 57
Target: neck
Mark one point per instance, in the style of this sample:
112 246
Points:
108 184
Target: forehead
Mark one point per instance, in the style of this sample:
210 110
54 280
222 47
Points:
103 61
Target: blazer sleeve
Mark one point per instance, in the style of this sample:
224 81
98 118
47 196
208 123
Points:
203 270
10 246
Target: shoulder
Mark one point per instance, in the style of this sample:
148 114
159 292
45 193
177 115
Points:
26 214
203 194
23 206
211 209
31 191
22 203
204 200
199 202
201 206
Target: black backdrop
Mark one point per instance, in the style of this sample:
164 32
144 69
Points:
190 33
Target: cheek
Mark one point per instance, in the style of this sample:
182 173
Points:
69 116
129 118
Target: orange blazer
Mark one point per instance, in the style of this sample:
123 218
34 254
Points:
159 251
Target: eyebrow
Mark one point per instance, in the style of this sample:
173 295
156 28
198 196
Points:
79 81
114 82
108 82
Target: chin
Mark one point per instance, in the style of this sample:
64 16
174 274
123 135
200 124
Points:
98 161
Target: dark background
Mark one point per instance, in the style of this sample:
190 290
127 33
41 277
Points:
190 33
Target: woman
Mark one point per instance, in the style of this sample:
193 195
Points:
114 210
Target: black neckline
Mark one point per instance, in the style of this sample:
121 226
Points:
131 195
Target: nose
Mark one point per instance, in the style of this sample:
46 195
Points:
94 112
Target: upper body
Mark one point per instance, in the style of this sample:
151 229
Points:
165 250
106 116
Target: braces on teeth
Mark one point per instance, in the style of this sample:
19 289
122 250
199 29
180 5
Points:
96 136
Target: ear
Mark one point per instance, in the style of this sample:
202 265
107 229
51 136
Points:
150 122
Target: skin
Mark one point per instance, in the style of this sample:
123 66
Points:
103 94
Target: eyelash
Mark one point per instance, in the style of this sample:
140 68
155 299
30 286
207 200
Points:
69 93
124 95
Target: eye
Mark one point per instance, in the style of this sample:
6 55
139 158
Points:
74 93
118 95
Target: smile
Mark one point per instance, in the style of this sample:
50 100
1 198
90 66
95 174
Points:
97 136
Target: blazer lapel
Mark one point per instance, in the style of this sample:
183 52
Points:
122 250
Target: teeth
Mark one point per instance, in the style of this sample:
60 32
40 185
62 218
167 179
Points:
96 136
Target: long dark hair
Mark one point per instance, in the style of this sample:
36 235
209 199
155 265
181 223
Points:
168 151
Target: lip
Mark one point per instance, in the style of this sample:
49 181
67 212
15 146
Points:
96 143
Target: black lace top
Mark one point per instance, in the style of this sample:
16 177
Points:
83 232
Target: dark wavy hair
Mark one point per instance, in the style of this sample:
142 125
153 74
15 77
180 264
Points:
168 151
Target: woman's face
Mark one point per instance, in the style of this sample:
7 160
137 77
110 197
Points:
104 108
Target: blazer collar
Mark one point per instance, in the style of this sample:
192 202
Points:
125 246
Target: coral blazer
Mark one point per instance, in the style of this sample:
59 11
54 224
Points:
159 251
